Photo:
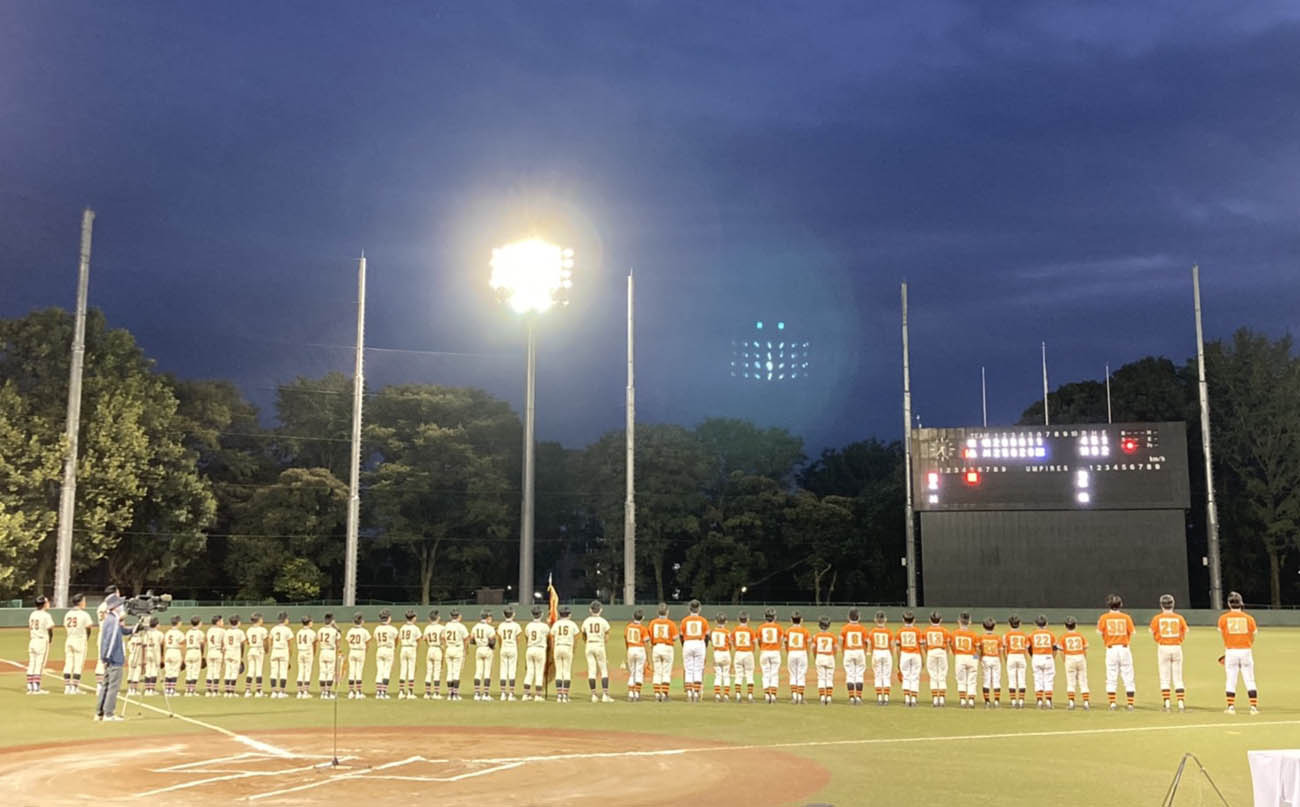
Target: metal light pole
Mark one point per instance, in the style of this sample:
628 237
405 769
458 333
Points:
1211 509
984 396
68 496
1047 420
907 460
629 503
354 480
531 276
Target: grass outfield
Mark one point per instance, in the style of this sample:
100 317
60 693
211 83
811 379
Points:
874 755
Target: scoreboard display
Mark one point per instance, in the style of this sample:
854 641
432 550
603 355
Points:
1120 466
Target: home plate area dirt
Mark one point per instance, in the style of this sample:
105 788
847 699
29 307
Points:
391 765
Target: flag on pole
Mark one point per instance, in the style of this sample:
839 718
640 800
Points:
553 600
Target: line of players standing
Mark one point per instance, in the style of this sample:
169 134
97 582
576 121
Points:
224 650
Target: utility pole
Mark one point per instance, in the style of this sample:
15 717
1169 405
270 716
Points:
629 503
1211 509
984 396
1047 420
910 560
354 479
530 470
68 495
1109 419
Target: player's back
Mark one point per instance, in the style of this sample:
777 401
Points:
484 634
824 643
594 629
882 638
281 638
797 638
193 639
908 639
536 633
1238 630
257 637
963 642
991 644
853 636
75 622
508 632
433 634
770 637
694 628
235 639
40 623
357 638
329 637
1042 642
306 639
1016 642
743 638
216 638
565 632
386 636
409 634
936 637
174 639
636 634
663 630
1073 643
1169 628
1115 627
455 635
720 638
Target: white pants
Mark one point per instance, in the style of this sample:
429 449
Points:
1017 664
279 667
936 665
1044 666
193 663
855 666
825 671
1076 674
304 667
967 675
383 664
882 666
909 664
535 667
508 667
597 662
693 660
482 664
635 666
770 663
1119 663
721 668
1239 661
1169 660
74 659
356 664
563 663
991 673
454 662
328 661
742 667
406 664
432 665
255 664
796 666
661 659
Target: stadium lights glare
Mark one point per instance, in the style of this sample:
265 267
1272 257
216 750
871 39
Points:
532 275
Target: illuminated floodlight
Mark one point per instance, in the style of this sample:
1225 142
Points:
780 326
532 275
1084 497
759 325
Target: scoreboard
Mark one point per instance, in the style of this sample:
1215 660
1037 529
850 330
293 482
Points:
1121 466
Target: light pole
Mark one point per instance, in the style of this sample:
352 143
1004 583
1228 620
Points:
531 276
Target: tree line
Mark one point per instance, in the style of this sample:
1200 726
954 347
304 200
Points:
183 485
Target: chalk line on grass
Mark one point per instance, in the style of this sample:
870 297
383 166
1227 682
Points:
258 745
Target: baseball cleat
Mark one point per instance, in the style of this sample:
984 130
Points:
606 699
1182 707
1231 710
1129 708
1254 710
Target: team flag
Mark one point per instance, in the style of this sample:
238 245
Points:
554 601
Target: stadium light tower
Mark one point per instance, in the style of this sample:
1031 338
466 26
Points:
531 276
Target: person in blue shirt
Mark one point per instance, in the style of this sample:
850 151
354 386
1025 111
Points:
112 652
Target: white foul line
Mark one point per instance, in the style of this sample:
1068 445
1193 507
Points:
248 741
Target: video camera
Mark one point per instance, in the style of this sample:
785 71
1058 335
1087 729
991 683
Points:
148 603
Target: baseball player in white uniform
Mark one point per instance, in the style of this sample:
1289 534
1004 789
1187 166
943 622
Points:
565 634
173 656
433 657
257 636
77 623
193 656
536 635
328 640
357 639
306 641
40 626
408 642
484 638
233 655
454 637
385 648
280 638
595 630
508 658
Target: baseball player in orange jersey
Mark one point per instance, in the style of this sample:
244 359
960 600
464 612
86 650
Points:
695 639
770 639
484 637
1042 650
1075 649
936 658
358 640
635 637
720 638
77 624
1015 644
1169 630
744 639
408 641
909 641
824 646
797 642
433 657
305 638
991 649
508 655
193 656
173 656
536 634
257 636
963 642
280 639
216 639
853 638
663 636
882 658
1238 630
1116 629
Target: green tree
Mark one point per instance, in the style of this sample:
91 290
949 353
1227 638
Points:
315 416
1151 389
742 532
820 531
739 446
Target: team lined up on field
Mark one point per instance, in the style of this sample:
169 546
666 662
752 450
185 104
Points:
223 651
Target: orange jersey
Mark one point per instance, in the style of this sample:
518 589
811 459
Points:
1116 628
744 638
881 638
936 637
720 638
963 642
990 644
1169 628
797 638
1238 630
1073 643
769 636
636 634
1042 642
694 628
824 643
908 639
663 630
1015 641
853 637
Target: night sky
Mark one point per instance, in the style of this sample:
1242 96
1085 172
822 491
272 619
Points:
1036 171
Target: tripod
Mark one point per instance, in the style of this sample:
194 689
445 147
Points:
1178 777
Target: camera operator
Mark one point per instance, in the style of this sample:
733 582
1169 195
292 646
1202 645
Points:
112 655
